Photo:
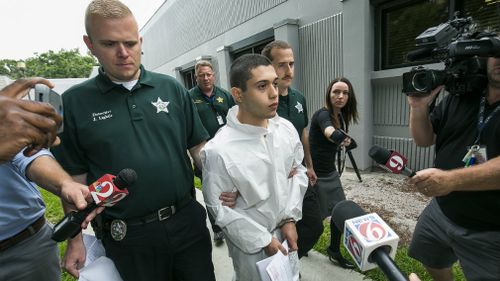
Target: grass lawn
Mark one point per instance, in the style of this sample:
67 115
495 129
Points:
54 213
403 261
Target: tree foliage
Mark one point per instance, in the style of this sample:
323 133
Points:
63 64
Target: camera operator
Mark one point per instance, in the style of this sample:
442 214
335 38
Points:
461 222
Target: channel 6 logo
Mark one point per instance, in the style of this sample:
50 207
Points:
372 230
353 246
396 162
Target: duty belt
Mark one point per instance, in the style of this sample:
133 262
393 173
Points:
158 215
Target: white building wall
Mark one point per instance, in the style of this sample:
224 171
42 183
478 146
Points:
330 38
233 22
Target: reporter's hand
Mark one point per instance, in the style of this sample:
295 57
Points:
76 196
25 123
433 182
346 142
274 247
21 87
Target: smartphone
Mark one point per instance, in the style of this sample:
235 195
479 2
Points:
44 94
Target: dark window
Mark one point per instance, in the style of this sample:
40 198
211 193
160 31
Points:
189 77
252 49
485 15
401 21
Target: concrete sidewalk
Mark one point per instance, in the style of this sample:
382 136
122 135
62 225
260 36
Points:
315 267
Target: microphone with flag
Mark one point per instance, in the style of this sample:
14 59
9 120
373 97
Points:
390 160
368 239
106 191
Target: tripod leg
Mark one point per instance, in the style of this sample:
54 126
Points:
354 165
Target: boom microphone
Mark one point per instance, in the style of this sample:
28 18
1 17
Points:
392 160
106 191
368 239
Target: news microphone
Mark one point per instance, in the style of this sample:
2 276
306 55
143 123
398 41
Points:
368 239
419 54
106 191
391 160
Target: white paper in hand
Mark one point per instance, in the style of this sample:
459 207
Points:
279 267
102 268
93 247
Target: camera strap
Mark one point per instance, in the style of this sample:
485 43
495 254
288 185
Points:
481 121
341 151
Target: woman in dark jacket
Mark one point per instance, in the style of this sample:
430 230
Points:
327 139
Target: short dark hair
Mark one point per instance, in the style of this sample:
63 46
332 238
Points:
277 44
242 67
349 111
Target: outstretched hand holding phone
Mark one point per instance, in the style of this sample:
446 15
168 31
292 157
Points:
25 123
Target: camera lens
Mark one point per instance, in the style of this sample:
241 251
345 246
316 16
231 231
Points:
420 82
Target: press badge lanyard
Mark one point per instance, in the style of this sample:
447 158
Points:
340 159
481 122
210 101
471 157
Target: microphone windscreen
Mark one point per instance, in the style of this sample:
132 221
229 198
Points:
125 178
345 210
419 54
379 154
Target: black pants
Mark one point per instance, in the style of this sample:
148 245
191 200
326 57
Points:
335 237
178 248
310 227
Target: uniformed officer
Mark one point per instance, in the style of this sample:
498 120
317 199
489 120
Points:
292 106
128 117
212 103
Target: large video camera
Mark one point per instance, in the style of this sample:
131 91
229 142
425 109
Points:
464 53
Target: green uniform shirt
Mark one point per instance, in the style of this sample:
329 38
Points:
293 108
108 128
212 112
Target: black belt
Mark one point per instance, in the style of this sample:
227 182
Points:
158 215
23 235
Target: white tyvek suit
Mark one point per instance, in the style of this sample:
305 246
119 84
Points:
255 161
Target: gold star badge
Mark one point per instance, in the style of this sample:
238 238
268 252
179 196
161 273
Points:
220 100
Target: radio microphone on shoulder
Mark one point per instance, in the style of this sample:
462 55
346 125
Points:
106 191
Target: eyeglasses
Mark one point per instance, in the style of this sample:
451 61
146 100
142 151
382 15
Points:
338 92
202 75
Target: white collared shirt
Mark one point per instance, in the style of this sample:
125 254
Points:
255 161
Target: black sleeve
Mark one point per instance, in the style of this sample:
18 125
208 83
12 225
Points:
437 114
324 120
306 119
